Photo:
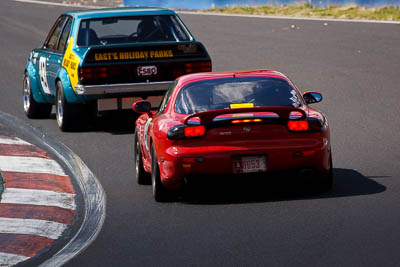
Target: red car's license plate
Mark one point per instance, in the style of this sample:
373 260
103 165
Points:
146 70
249 164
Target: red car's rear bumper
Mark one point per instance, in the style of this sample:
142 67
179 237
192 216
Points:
181 161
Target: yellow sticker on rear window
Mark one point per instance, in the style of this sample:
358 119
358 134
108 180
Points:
129 55
242 105
71 63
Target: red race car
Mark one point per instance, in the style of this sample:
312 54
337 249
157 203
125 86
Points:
231 123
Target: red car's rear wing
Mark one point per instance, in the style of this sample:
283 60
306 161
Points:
283 113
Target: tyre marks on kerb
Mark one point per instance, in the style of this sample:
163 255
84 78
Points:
38 202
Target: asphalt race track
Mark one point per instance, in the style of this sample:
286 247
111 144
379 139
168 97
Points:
356 66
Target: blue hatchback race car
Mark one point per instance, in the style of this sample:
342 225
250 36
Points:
106 59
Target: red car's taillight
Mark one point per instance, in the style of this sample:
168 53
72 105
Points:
310 124
186 131
195 131
298 126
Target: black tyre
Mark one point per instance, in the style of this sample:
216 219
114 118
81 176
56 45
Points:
33 109
64 111
142 177
326 182
159 192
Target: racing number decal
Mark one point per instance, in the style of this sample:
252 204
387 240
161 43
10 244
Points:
71 63
43 75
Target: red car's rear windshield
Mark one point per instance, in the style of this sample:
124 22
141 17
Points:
119 30
236 92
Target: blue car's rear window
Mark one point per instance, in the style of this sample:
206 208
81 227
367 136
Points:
228 92
119 30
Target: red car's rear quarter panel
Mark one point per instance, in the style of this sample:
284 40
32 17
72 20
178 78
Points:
156 136
140 130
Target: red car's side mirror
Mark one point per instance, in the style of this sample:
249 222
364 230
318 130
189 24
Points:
312 97
142 106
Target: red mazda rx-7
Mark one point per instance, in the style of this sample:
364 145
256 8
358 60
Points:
231 123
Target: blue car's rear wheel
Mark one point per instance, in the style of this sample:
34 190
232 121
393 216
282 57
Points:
64 111
72 116
33 109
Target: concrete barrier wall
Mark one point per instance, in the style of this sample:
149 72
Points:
207 4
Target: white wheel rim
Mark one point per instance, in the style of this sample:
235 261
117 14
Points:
27 93
59 109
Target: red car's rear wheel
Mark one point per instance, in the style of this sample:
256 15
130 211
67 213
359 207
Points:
159 192
326 182
142 177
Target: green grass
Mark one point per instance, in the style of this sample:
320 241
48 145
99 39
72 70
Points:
306 10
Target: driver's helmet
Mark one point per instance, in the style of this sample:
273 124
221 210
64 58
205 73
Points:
145 28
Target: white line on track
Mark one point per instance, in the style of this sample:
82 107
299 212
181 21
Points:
231 15
7 259
30 165
13 141
49 229
38 197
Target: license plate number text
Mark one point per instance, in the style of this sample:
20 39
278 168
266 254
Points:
249 164
146 70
